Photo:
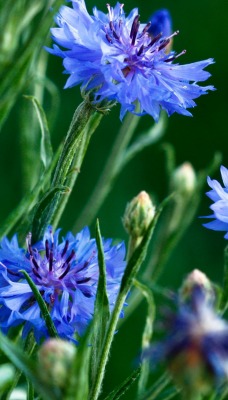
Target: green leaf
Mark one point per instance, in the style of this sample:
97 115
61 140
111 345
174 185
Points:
131 271
157 388
20 68
43 307
7 372
101 310
78 387
45 210
147 334
76 165
28 367
117 393
79 121
46 152
28 348
23 210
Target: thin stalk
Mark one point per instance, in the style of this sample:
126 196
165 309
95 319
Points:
78 123
93 123
105 354
110 171
130 272
29 347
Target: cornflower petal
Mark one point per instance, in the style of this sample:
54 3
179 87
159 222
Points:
121 61
66 274
219 195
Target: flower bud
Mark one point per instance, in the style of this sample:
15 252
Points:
196 279
138 215
161 22
184 179
183 184
55 358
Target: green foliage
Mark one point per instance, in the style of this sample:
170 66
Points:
48 179
101 310
43 306
26 25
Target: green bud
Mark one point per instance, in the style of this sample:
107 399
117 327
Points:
138 215
183 184
55 358
184 179
194 279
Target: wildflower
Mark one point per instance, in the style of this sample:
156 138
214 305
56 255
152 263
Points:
196 347
115 56
219 195
66 274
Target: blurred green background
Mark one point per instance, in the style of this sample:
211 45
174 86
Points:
203 33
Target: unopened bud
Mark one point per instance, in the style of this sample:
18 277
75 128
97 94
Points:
184 179
161 22
138 215
196 279
55 358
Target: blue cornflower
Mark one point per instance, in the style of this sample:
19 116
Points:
66 274
196 345
219 195
115 56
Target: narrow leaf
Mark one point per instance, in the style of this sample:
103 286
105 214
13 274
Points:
27 366
43 307
117 393
45 210
156 389
7 372
24 208
147 334
101 311
129 274
78 386
46 152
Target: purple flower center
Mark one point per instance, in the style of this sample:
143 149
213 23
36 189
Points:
140 46
54 268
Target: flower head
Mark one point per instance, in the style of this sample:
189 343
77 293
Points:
196 346
66 274
219 195
114 55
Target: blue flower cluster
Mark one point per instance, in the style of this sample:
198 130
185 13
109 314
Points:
65 272
219 195
120 59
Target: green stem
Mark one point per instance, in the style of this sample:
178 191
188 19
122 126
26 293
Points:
91 126
73 138
105 353
110 172
51 206
130 272
28 348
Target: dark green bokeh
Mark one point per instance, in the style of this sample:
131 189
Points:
203 33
